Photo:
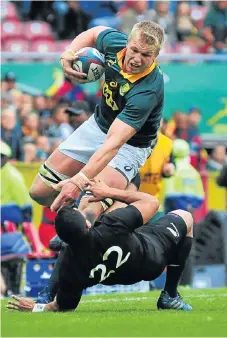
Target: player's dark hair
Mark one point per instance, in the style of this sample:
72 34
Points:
70 225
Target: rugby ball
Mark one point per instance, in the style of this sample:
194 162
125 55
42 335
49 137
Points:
91 62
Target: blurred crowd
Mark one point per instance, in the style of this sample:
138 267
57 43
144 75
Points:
185 125
201 25
33 126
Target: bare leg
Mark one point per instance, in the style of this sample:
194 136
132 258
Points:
42 193
112 178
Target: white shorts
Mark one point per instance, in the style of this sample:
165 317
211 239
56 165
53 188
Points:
88 138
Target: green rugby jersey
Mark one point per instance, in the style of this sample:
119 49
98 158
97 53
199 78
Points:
136 99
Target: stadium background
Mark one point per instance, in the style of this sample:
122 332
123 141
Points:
194 72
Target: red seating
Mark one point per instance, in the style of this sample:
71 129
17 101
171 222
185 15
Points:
46 233
62 45
8 11
35 30
186 48
47 229
15 45
10 226
167 49
32 235
49 215
11 29
43 46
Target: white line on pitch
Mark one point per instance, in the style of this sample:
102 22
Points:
130 299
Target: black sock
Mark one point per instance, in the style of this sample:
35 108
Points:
174 272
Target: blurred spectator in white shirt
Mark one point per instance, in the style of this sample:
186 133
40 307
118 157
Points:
186 28
166 19
136 12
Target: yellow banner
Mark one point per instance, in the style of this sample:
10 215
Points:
29 171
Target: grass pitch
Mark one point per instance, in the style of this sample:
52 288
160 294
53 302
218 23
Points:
126 315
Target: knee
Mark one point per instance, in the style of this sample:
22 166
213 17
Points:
40 198
34 194
188 219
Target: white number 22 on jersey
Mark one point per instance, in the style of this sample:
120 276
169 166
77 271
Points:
102 267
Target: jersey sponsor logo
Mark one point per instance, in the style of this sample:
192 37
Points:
174 231
104 273
124 89
113 84
96 72
111 62
107 92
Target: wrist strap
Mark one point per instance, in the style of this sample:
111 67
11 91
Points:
71 181
80 180
84 176
39 307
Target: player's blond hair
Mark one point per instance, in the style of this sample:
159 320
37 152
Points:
150 33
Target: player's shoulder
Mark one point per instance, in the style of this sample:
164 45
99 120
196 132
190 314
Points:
111 33
121 215
111 41
156 76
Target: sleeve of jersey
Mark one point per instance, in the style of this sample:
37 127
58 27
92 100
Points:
111 41
137 109
126 219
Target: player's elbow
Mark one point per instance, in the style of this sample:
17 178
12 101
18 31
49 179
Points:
153 203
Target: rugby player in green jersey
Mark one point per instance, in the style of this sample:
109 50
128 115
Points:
117 139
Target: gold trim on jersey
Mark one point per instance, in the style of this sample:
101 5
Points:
133 77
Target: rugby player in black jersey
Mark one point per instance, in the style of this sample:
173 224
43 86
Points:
118 249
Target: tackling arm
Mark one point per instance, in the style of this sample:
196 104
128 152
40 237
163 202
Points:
146 204
118 134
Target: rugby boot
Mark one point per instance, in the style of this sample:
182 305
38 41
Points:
165 302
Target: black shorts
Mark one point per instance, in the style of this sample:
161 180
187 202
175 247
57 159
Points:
170 229
161 240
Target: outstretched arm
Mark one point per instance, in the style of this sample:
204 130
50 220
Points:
146 204
85 39
25 304
118 134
